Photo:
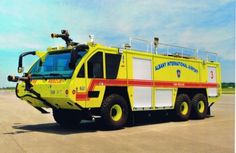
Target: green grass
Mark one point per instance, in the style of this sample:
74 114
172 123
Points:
228 90
7 89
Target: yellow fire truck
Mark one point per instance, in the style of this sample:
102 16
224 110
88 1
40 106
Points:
89 81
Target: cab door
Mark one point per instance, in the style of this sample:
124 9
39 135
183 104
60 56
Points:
81 87
95 73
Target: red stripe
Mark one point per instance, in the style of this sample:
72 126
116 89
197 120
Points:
142 83
184 84
116 83
164 84
147 83
107 82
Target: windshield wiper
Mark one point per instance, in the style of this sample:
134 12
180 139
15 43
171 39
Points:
40 75
57 74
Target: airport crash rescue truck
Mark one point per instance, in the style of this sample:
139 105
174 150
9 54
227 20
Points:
87 81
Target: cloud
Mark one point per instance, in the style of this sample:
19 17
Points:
218 40
189 24
142 18
19 41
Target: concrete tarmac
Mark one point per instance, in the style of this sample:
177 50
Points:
25 130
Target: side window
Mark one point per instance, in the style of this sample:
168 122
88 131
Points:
95 66
81 73
112 65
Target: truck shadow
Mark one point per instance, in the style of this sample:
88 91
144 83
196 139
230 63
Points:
89 126
56 129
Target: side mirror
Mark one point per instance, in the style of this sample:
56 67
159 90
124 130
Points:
73 58
20 69
72 65
74 54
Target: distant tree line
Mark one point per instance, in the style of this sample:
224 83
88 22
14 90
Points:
228 85
7 88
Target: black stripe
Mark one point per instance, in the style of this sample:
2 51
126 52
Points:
93 94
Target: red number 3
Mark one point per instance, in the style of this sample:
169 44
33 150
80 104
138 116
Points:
212 74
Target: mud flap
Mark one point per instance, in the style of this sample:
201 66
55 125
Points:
209 109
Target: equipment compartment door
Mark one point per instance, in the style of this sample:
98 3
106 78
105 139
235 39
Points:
164 98
212 78
142 75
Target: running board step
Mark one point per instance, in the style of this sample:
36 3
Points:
43 111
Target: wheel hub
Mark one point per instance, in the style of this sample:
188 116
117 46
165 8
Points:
184 108
201 107
116 112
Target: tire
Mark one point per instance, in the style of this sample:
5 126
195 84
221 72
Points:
114 112
182 107
200 106
66 118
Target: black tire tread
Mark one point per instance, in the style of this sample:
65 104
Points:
105 111
180 98
195 100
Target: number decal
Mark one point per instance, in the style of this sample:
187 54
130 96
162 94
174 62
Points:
212 74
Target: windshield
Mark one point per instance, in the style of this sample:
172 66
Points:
55 65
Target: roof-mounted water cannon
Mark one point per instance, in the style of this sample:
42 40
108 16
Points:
65 36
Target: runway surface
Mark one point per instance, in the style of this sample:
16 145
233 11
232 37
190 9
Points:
24 129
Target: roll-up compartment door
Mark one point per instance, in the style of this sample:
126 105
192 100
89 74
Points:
142 71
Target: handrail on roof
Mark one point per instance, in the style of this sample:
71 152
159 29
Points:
173 50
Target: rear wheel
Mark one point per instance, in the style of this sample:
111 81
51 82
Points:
200 106
182 107
114 111
67 118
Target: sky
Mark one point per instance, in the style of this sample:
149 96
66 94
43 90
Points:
207 25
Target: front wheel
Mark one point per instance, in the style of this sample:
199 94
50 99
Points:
114 111
182 107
